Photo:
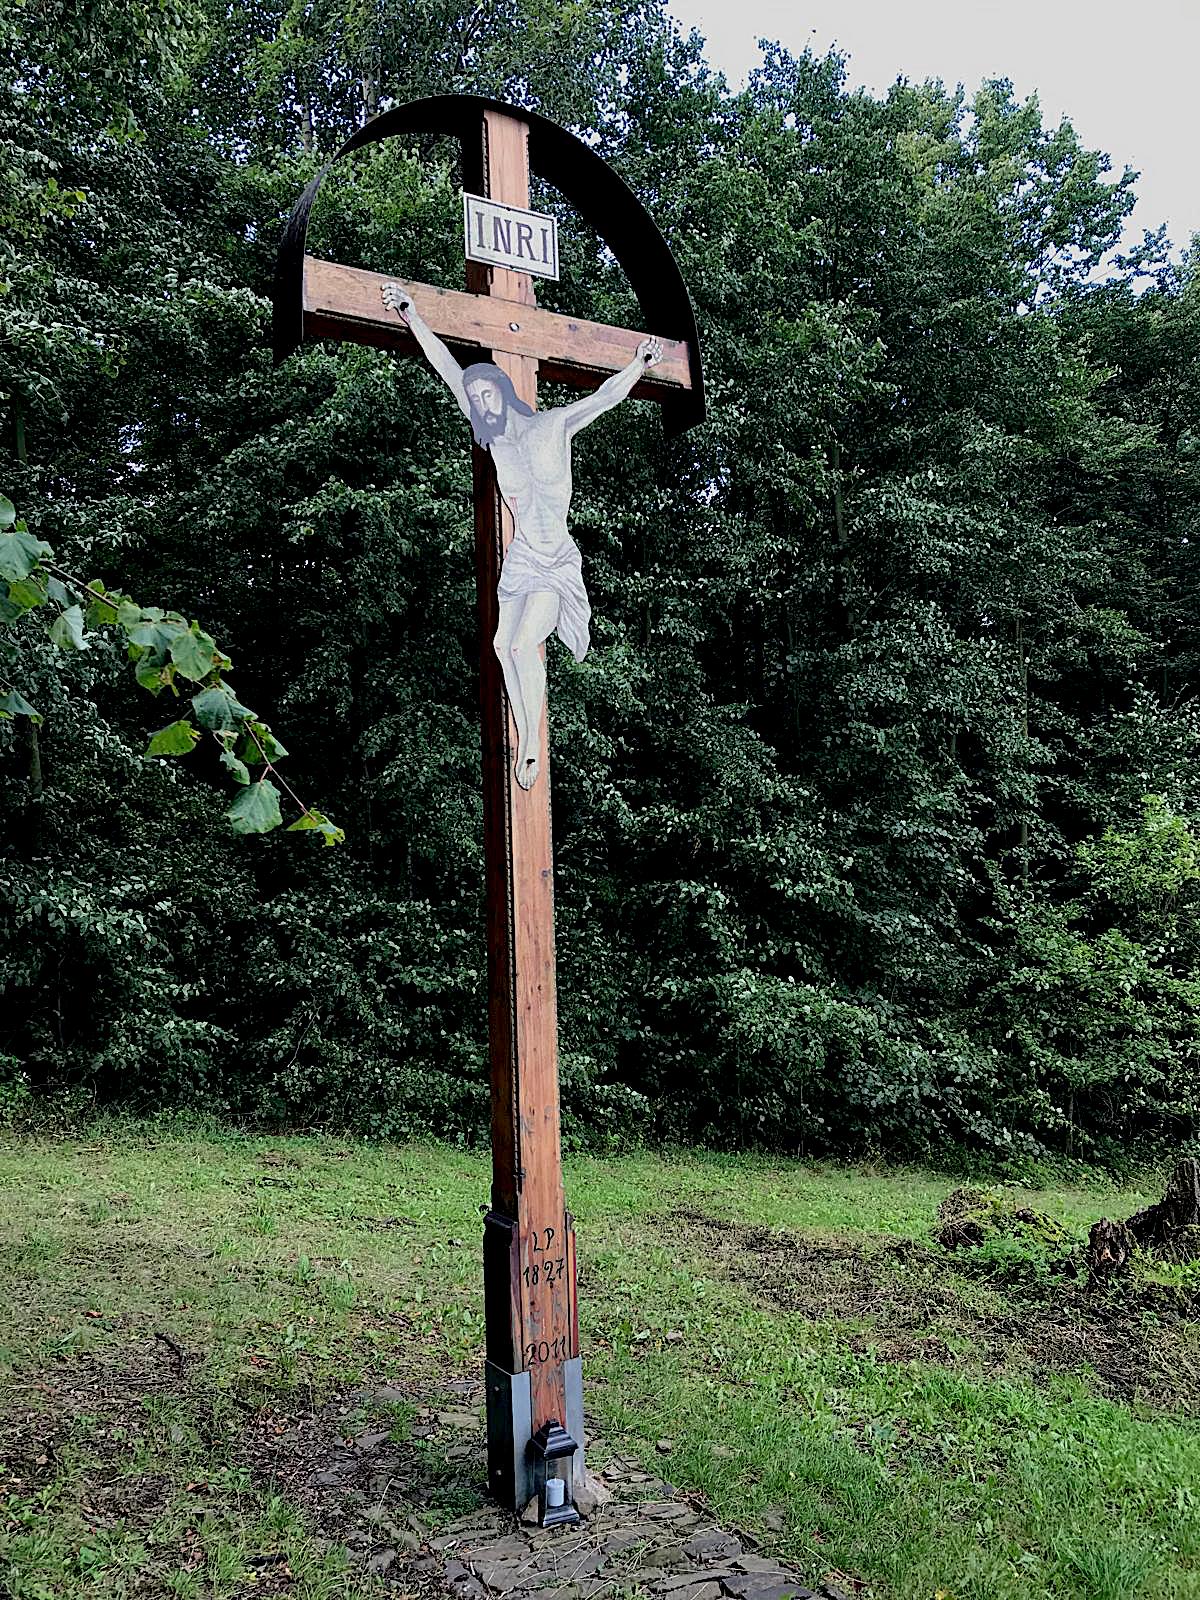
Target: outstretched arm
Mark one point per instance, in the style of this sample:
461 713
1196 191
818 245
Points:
613 390
397 298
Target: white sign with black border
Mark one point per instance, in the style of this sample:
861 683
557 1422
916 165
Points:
507 236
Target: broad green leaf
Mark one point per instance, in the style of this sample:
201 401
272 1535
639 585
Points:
256 809
68 630
176 739
13 704
156 638
150 675
100 612
58 592
313 821
271 749
218 710
20 552
239 769
194 653
153 634
27 592
8 512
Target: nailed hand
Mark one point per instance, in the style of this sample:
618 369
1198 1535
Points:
397 298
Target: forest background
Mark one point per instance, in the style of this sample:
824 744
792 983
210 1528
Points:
877 801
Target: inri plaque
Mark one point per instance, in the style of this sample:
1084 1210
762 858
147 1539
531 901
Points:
507 236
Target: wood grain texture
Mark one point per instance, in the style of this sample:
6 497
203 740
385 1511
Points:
529 1253
344 303
523 1048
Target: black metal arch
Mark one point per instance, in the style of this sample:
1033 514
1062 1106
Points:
604 200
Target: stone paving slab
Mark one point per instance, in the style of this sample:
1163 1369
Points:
640 1537
619 1547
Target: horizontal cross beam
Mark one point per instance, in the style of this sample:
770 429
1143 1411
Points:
345 303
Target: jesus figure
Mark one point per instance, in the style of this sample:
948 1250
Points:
541 581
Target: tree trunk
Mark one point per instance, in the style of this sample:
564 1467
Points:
34 811
842 581
1023 825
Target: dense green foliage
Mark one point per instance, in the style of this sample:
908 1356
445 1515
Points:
875 802
167 653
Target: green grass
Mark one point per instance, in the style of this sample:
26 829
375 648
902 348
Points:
286 1270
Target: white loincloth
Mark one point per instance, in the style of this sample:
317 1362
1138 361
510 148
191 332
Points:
527 571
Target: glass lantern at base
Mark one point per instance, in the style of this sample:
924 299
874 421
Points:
551 1451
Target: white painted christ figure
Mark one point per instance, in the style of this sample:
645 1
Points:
541 581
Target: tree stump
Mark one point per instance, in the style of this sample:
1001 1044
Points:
1110 1245
1162 1227
1170 1227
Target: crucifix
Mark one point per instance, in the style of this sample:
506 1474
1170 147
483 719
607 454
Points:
529 582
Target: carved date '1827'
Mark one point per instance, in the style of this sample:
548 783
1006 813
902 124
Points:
545 1271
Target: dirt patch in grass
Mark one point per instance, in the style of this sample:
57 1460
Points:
79 1440
373 1455
909 1301
136 1440
103 1396
169 1447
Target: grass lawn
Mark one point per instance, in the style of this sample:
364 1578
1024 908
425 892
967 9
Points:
924 1426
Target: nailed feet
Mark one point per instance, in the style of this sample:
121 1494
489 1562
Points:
527 769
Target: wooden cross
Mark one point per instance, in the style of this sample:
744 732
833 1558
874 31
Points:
533 1370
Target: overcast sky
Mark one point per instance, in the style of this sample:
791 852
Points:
1128 74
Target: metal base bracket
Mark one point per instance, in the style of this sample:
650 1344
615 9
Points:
510 1428
573 1381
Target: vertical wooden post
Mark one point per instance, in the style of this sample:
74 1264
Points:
533 1372
529 1255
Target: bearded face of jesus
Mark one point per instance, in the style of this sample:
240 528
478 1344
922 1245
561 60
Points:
492 399
489 409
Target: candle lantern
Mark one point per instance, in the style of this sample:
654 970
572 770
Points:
553 1449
